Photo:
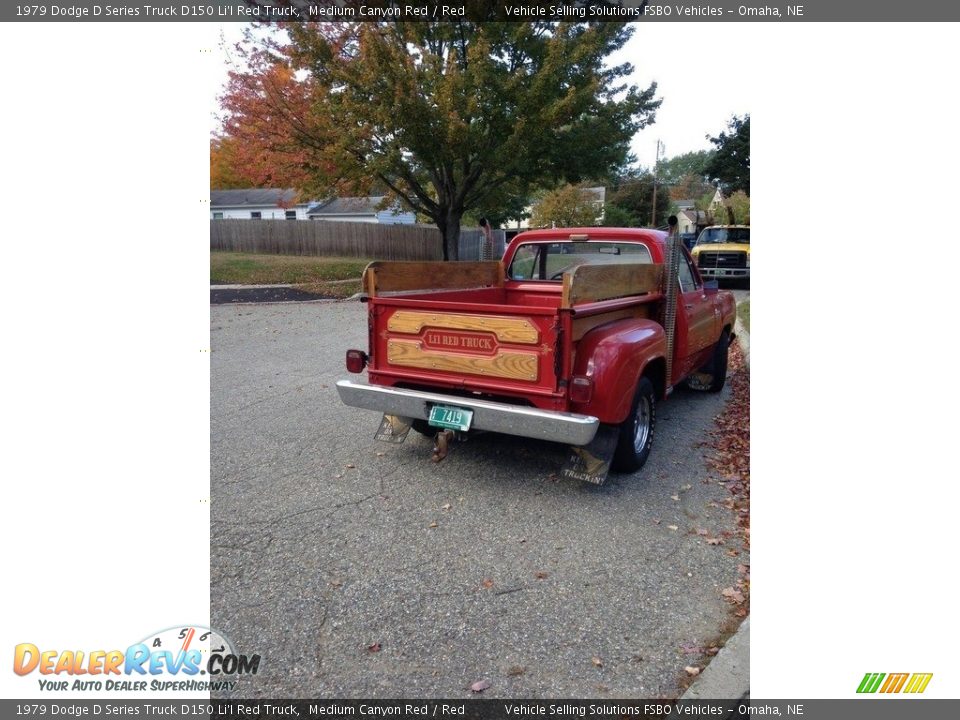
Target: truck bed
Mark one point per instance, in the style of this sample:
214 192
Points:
506 340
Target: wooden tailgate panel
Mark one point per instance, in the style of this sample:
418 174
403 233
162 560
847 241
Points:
496 351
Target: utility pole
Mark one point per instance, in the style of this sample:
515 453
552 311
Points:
656 169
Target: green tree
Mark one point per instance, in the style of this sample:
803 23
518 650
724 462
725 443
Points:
568 206
634 193
735 210
616 216
450 116
730 163
673 170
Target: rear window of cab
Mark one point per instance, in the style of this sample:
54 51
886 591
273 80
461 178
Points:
549 261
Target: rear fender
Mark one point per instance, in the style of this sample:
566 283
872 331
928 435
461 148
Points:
614 356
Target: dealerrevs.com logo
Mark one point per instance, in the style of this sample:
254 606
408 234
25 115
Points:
910 683
182 659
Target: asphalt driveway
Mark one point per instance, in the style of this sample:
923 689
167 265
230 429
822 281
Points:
362 569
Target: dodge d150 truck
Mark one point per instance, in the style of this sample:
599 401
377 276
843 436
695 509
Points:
574 337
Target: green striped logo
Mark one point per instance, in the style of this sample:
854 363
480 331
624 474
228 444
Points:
894 682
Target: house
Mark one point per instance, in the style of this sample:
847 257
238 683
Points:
257 204
690 221
360 209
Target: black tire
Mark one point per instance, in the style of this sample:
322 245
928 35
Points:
636 432
718 363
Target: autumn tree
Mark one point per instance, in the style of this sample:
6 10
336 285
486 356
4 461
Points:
730 163
689 187
258 144
450 117
568 206
225 170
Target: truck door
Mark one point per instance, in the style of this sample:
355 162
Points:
696 316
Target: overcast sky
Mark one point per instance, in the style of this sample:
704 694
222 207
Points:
701 77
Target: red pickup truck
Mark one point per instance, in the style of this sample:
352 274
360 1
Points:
573 337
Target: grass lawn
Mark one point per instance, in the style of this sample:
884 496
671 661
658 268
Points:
743 312
250 269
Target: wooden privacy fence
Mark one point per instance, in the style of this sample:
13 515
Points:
470 240
316 237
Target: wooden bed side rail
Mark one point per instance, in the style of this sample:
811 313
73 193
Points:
590 283
396 276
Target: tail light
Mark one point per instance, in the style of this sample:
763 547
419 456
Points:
356 360
581 389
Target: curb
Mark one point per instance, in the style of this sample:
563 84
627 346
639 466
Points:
727 677
251 287
743 339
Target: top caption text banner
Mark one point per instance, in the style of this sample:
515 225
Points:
479 10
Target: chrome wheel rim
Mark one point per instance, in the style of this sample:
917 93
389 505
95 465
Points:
641 424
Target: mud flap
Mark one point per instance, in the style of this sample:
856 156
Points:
591 463
393 429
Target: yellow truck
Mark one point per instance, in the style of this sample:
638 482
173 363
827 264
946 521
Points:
722 252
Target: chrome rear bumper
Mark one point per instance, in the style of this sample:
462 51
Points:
562 427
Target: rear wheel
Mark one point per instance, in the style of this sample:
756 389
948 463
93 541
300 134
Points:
636 432
718 363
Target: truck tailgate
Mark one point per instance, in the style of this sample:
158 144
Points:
494 349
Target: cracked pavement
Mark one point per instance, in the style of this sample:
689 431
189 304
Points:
482 567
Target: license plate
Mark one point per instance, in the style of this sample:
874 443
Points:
452 418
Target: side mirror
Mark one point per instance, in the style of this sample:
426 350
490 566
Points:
711 287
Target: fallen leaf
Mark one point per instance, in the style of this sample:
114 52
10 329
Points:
479 686
486 584
657 521
541 575
685 488
597 662
516 670
380 454
446 507
351 465
691 649
741 612
713 650
692 670
336 582
702 532
732 552
675 497
374 648
673 527
714 541
732 595
433 524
